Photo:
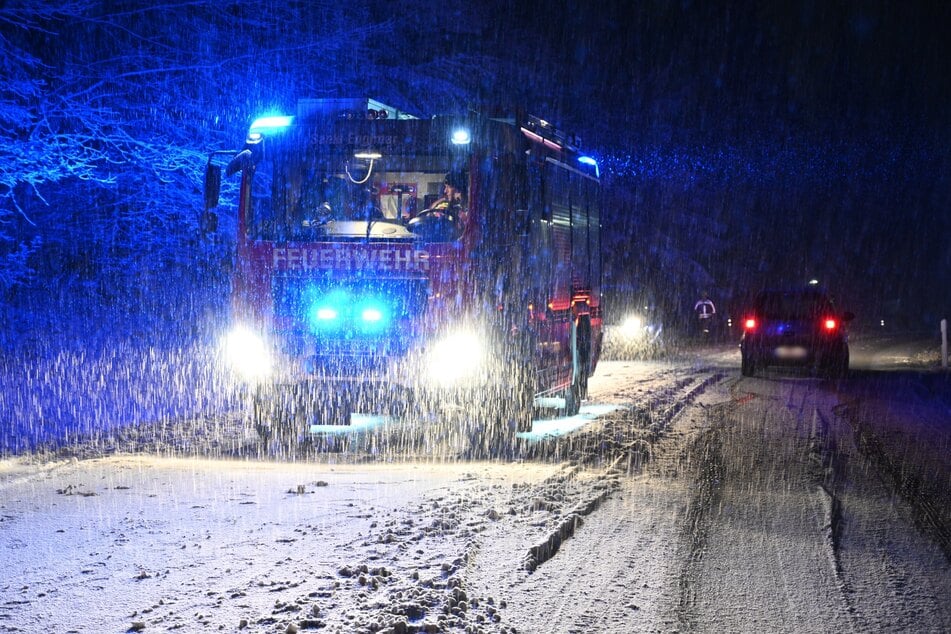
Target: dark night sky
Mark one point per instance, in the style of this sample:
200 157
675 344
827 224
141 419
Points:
743 143
813 135
701 70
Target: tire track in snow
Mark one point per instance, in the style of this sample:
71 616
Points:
830 463
612 573
749 470
926 506
708 479
603 595
626 438
633 433
870 510
549 545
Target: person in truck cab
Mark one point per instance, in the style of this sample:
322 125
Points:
446 217
454 192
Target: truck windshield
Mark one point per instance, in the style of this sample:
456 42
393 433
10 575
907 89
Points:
296 194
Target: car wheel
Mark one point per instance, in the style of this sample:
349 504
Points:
839 367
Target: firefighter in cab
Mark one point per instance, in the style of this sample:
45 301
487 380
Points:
445 219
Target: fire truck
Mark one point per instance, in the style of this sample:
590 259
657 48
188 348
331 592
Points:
389 264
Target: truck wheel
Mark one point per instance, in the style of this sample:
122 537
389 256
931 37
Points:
573 398
504 415
259 421
577 390
583 347
261 416
277 415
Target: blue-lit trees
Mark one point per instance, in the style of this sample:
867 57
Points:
108 112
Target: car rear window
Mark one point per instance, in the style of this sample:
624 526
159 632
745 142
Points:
792 305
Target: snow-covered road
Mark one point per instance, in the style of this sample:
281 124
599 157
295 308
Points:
696 501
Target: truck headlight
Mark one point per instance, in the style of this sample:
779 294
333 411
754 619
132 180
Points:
247 353
455 358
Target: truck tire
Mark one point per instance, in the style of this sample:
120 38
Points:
577 390
272 417
573 397
583 350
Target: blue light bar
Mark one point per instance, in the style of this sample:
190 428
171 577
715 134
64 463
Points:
460 136
587 160
272 123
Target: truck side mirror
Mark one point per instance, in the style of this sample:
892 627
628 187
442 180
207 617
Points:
212 185
241 161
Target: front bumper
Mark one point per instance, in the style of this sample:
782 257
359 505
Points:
450 372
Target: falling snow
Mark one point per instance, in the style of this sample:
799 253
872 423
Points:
737 149
682 497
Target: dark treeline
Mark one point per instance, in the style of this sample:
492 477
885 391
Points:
738 146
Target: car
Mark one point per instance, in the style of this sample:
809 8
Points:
636 336
795 327
632 327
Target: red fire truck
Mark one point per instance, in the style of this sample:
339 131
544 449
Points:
391 264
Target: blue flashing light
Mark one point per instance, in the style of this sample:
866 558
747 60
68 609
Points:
371 315
339 309
587 160
326 314
272 123
460 136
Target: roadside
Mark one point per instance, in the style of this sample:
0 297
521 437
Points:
702 502
160 519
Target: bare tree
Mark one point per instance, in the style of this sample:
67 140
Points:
110 108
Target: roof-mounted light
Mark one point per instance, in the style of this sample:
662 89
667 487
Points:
272 123
368 155
460 136
587 160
